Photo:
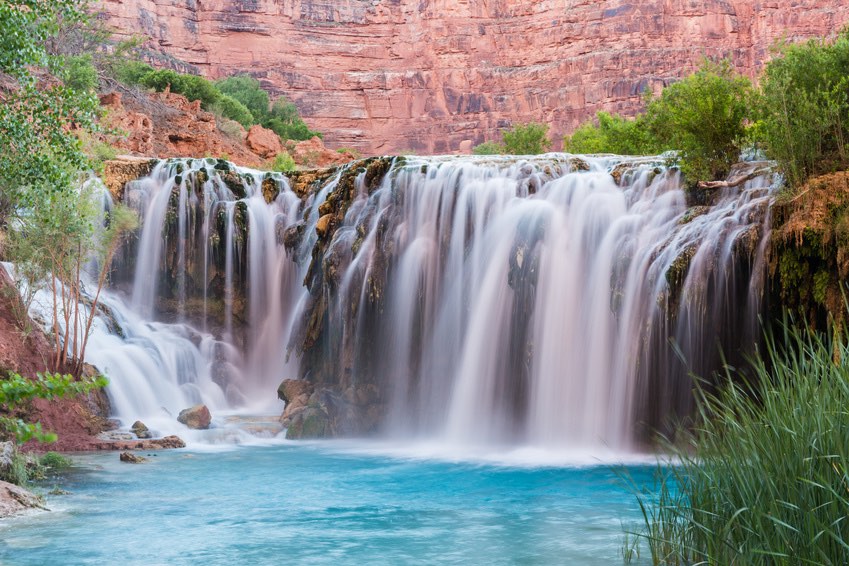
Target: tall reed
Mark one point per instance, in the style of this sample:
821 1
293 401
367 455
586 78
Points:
765 476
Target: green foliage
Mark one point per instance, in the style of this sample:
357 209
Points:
806 108
78 73
249 93
612 133
192 87
489 148
765 478
55 461
16 390
18 470
283 163
521 139
526 139
232 109
26 25
285 121
703 117
131 72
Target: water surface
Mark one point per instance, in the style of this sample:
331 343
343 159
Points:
326 503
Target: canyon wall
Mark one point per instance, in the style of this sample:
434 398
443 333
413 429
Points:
424 75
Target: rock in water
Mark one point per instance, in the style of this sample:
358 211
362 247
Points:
131 458
196 417
140 430
14 499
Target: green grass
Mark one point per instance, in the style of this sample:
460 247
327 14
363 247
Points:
764 478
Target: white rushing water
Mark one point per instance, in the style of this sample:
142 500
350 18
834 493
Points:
492 300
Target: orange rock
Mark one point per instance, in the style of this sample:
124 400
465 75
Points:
263 142
424 75
323 225
313 153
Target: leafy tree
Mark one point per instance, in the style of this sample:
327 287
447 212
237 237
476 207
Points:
249 92
78 73
613 133
526 139
287 123
805 104
231 108
704 117
25 26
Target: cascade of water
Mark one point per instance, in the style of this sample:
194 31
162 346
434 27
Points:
487 299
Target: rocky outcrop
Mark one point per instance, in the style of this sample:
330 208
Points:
15 499
120 171
161 124
313 153
427 75
263 142
196 417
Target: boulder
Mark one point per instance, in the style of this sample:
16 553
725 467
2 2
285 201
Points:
291 389
14 499
140 430
196 417
131 458
264 142
311 422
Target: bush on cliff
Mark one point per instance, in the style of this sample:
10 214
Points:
806 108
231 108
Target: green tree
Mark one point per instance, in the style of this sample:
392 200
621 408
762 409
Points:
231 108
612 133
287 123
489 148
805 104
249 92
526 139
26 25
704 117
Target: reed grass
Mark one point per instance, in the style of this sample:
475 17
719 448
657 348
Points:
764 477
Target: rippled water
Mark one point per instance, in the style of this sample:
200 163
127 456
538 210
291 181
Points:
328 503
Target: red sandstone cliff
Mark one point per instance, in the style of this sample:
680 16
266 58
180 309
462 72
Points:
388 75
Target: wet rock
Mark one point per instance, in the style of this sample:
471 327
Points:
118 172
141 430
196 417
309 424
291 389
131 458
323 225
7 456
114 435
15 499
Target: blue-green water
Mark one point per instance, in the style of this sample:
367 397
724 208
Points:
325 504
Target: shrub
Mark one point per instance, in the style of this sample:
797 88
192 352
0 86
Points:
806 108
283 162
231 108
765 479
231 129
249 93
489 148
191 86
285 121
55 461
703 117
526 139
131 72
612 133
78 73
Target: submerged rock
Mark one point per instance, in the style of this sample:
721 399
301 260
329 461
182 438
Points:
140 430
196 417
131 458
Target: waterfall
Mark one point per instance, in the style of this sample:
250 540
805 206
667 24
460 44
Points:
555 300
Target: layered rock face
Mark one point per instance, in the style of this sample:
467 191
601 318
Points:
425 75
